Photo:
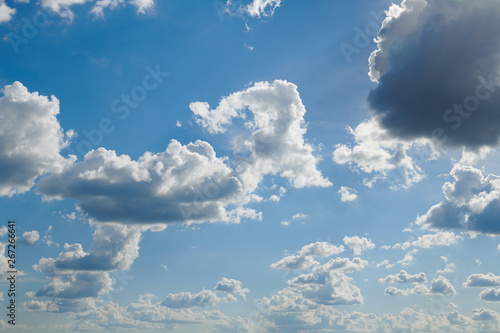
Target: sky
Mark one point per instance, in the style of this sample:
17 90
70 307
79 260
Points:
250 165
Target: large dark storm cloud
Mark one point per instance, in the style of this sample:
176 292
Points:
438 72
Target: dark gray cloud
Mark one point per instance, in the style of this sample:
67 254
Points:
432 64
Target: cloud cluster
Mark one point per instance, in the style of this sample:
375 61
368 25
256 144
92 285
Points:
63 7
359 244
439 286
377 152
472 203
404 277
437 71
30 139
305 257
276 126
6 13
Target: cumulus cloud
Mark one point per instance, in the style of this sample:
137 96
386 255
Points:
30 237
183 184
305 257
442 285
472 203
482 280
376 152
187 300
483 314
442 238
78 274
359 245
451 94
439 286
275 120
30 139
231 286
6 12
347 194
490 295
404 277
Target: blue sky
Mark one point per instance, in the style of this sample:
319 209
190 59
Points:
251 166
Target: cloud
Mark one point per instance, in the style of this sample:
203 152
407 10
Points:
490 295
6 13
63 7
482 280
347 194
472 203
259 8
231 286
78 274
305 257
377 152
304 216
358 244
483 314
442 285
30 139
276 145
404 277
450 268
422 93
187 300
183 184
442 238
30 237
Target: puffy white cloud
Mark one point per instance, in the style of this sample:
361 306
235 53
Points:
277 128
404 277
358 244
183 184
439 286
450 268
30 139
377 152
483 314
305 257
30 237
482 280
442 238
187 300
472 203
6 12
78 274
442 285
347 194
422 93
258 8
490 295
231 286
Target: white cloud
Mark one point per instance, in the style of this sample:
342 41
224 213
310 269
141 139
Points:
404 277
442 285
277 127
305 257
30 237
376 152
231 286
304 216
482 280
472 203
259 8
439 286
63 7
490 295
408 258
442 238
347 194
30 139
6 12
358 244
450 268
483 314
187 300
